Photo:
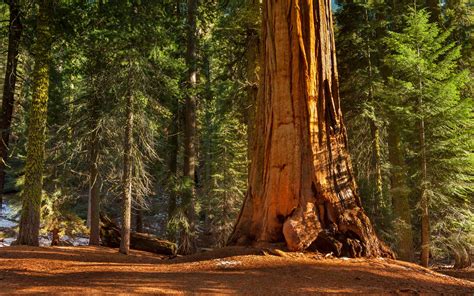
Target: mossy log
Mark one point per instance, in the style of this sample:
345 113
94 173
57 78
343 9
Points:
110 237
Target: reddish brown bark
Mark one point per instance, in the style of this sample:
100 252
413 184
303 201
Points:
301 189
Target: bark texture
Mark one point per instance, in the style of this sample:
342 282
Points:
252 55
187 245
173 141
127 178
139 219
31 198
301 188
95 107
15 29
424 198
94 185
434 9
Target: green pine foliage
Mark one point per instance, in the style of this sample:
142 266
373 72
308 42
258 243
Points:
424 68
397 71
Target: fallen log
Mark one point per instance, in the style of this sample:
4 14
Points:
110 237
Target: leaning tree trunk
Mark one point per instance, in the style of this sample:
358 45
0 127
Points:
301 188
32 190
14 34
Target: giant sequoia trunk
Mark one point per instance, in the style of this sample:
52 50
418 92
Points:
301 189
14 34
32 189
252 55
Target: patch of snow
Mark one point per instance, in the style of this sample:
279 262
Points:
6 242
44 241
6 217
7 212
4 223
79 241
345 258
76 241
227 263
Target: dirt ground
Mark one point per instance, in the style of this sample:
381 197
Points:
97 270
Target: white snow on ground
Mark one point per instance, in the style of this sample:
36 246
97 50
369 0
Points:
220 263
81 241
45 241
76 241
6 242
6 219
6 223
7 211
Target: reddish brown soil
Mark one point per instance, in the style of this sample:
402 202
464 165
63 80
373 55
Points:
86 270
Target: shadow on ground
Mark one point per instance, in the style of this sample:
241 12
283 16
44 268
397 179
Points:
101 270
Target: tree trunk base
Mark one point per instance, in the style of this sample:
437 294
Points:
351 235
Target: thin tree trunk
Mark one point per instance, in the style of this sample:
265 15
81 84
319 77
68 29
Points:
94 184
301 188
424 200
93 217
375 131
400 193
377 165
31 198
173 168
139 220
187 238
127 178
434 9
15 29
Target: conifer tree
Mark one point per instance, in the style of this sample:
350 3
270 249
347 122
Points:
15 28
32 192
425 89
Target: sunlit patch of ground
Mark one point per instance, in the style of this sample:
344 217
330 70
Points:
226 271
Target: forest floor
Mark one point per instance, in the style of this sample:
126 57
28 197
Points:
100 270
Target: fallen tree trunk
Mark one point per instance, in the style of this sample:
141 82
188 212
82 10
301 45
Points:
110 237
